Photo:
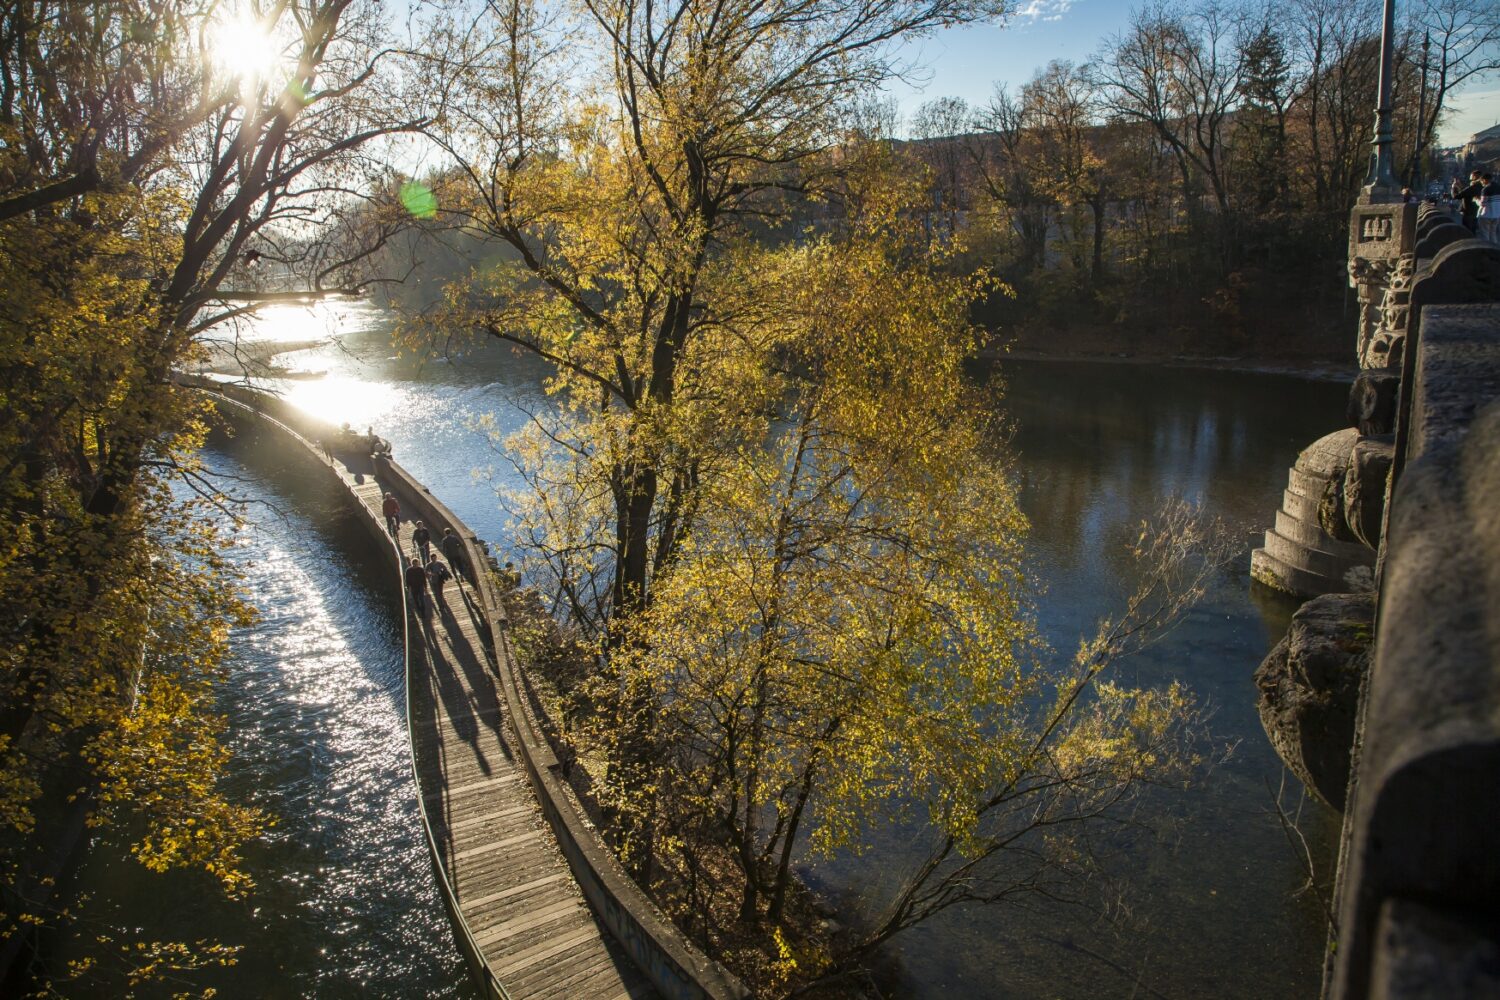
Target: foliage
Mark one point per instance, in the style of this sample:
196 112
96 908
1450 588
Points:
763 486
850 595
634 199
1079 755
118 615
1207 154
147 192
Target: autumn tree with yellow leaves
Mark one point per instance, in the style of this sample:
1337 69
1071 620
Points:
154 181
636 194
765 488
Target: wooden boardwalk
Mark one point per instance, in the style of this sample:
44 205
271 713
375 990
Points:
514 889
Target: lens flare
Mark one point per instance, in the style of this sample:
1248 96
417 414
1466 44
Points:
419 200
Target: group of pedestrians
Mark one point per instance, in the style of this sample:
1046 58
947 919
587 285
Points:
424 578
1480 200
368 443
426 574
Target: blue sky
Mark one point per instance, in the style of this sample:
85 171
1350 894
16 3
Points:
966 62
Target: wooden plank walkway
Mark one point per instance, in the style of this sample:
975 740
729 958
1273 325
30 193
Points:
514 888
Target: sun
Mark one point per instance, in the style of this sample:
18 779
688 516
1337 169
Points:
243 47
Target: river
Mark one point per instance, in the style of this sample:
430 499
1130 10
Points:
1209 907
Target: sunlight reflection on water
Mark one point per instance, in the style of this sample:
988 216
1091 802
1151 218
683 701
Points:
320 737
301 321
340 399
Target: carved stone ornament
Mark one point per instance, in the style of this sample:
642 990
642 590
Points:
1381 341
1381 232
1370 271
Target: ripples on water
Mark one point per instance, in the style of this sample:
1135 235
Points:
345 904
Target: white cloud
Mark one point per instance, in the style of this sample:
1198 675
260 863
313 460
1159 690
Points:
1043 10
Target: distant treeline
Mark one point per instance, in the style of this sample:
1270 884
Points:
1188 188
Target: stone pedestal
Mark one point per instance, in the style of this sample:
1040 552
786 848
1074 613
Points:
1298 556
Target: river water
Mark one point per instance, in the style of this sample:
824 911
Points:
1209 905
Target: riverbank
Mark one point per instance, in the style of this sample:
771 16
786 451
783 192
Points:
253 359
1274 333
256 360
1321 370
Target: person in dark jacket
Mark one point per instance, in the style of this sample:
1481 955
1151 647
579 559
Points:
1470 195
423 539
391 508
416 587
453 548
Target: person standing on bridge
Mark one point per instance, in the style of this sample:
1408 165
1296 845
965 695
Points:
1469 196
416 587
453 548
423 540
391 508
437 576
1489 210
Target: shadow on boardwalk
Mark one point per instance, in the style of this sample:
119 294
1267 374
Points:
526 915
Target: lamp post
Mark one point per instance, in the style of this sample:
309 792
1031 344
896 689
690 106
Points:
1380 183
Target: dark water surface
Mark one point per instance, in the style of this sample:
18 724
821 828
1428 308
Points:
1208 907
1207 904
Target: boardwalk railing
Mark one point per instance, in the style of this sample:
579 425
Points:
677 969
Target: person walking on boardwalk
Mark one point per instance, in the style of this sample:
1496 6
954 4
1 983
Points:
437 576
391 508
453 548
416 587
423 539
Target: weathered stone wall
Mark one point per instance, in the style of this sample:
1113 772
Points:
1309 690
1420 878
1406 739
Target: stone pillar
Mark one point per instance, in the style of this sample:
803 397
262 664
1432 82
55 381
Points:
1382 238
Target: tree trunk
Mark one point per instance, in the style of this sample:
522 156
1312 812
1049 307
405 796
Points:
1096 275
784 866
635 497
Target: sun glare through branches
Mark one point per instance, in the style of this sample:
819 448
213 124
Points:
244 47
